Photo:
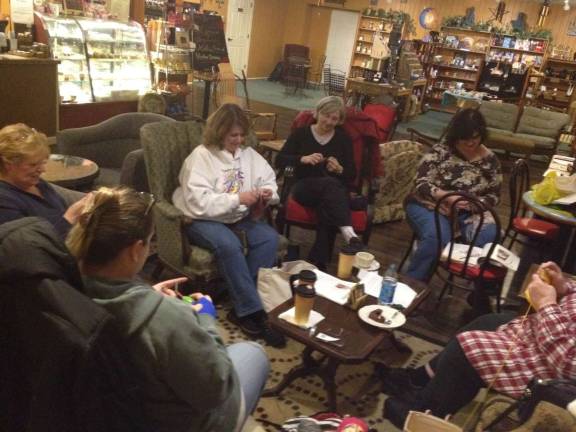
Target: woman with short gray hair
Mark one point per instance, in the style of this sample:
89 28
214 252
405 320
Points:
324 166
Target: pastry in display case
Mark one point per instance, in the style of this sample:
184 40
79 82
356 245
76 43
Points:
101 60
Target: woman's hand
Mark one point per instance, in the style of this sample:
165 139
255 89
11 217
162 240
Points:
249 198
265 195
75 210
556 276
312 159
196 297
333 166
540 293
168 286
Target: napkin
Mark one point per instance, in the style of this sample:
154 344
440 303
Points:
313 319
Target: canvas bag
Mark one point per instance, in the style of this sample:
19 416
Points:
274 283
426 422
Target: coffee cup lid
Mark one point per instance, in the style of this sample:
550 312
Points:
304 290
348 250
308 276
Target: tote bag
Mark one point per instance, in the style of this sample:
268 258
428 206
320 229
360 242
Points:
274 283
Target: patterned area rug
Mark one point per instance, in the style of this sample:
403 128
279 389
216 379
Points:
358 389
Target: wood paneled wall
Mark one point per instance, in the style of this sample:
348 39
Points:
301 21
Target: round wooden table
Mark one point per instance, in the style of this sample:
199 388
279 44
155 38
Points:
553 214
70 171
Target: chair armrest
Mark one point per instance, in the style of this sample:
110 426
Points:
172 242
422 138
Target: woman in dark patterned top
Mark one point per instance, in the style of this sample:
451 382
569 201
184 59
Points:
460 164
324 165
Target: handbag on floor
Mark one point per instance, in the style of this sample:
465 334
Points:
274 283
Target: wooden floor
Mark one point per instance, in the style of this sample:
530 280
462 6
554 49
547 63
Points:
390 241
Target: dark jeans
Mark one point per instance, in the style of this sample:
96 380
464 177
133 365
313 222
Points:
329 197
456 382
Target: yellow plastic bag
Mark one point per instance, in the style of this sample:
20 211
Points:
545 192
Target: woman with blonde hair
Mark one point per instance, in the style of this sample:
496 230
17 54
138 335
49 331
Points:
323 158
224 188
23 156
190 380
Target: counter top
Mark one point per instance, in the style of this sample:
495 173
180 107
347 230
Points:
10 58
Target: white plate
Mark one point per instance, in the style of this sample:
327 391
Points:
398 320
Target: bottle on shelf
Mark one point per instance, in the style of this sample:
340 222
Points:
388 285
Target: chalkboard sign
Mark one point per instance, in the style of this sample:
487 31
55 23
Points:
208 36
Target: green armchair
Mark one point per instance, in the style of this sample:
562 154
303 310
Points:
166 145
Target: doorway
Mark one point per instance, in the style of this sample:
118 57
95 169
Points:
341 39
238 30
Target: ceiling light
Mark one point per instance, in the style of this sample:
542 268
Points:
566 5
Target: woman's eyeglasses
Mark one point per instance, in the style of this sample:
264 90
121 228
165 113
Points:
150 199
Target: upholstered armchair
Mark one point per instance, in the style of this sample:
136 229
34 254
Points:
166 145
399 161
107 143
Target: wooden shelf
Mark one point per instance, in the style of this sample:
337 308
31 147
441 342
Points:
566 62
461 50
465 30
362 54
455 78
365 42
454 67
373 31
517 50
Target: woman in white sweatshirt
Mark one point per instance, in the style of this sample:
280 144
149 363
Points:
225 188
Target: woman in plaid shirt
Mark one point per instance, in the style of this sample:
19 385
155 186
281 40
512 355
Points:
494 350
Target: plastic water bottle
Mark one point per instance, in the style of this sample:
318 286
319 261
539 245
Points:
388 285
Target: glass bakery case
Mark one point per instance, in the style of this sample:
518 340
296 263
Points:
111 57
66 41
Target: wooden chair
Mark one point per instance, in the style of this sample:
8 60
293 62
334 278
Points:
263 124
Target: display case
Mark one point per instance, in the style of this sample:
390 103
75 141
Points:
101 60
117 58
66 41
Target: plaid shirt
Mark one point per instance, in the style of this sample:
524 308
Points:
543 346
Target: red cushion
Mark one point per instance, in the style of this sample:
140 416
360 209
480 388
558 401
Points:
384 117
492 273
536 228
297 213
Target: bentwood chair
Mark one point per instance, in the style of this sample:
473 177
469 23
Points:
482 277
540 231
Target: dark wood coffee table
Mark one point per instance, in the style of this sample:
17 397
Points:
359 340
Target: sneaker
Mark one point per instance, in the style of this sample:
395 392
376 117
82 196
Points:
256 326
272 337
356 243
247 324
398 382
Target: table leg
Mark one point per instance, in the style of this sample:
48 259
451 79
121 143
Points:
323 368
328 376
307 367
206 103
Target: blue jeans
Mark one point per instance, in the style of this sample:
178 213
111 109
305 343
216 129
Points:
422 222
252 367
239 272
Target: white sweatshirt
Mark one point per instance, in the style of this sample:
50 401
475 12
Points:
211 179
